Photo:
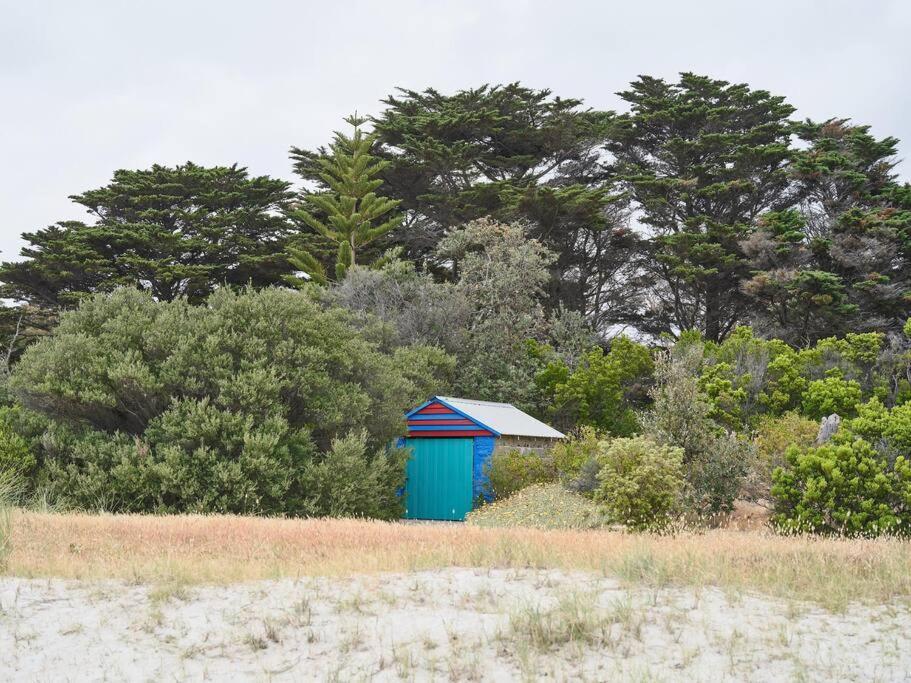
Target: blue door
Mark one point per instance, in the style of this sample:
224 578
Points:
439 479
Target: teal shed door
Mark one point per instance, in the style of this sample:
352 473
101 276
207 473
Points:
439 479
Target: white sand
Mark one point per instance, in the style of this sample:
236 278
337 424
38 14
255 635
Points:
457 624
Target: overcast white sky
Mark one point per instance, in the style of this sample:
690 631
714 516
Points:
88 87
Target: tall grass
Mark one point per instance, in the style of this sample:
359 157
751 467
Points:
221 549
9 492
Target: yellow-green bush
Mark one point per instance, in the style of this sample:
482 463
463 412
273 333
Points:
772 438
641 482
843 488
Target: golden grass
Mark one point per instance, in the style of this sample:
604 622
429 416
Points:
220 549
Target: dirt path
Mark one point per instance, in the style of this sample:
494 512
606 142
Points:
459 624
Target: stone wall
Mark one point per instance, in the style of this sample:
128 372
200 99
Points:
525 444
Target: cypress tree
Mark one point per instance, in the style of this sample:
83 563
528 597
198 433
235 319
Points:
703 158
180 231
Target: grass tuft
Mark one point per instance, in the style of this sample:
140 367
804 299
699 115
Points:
575 619
9 493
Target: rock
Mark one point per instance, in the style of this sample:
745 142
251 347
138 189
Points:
827 428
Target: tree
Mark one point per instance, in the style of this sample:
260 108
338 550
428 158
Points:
510 153
348 211
794 299
842 261
858 219
181 231
501 276
703 159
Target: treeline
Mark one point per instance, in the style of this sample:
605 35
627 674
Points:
694 282
702 207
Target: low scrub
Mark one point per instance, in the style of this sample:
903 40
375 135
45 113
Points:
641 482
846 489
540 506
510 471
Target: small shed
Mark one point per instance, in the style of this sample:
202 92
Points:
451 441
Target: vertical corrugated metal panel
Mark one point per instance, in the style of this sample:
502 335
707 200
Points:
439 484
480 482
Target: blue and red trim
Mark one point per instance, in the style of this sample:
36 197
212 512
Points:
436 418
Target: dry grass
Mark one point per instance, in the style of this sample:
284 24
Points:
8 492
218 549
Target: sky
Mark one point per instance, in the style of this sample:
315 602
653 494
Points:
90 87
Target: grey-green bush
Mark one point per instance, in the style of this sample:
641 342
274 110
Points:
347 482
714 462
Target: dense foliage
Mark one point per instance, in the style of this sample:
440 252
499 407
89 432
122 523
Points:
843 488
688 287
224 407
641 482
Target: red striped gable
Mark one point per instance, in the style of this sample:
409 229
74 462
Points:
436 435
438 420
435 408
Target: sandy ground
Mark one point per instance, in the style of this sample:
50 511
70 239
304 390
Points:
454 624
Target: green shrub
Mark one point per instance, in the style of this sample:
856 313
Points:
512 470
715 475
347 482
169 407
541 506
603 390
576 459
715 462
897 429
641 482
772 438
831 395
845 488
15 454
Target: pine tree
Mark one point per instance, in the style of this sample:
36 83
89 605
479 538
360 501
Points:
513 154
348 212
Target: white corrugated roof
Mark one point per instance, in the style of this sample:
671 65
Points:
502 417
